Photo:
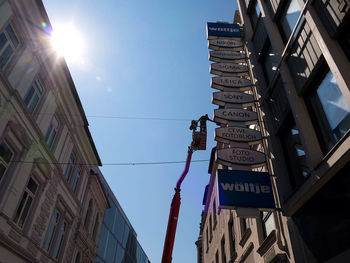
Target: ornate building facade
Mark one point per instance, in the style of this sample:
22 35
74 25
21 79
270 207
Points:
299 56
52 195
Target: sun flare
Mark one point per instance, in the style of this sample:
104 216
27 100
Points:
67 42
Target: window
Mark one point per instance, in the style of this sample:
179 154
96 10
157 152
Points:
268 60
5 157
255 14
69 168
245 224
33 96
76 179
72 173
51 132
231 233
223 253
289 18
332 113
88 215
55 234
26 202
8 44
294 152
268 223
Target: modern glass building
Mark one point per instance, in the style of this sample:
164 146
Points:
117 240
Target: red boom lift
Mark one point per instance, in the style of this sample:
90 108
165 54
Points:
199 142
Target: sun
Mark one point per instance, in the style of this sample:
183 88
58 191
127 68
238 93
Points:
67 42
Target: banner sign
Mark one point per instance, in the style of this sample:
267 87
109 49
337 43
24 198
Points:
240 156
219 55
230 82
225 43
234 68
223 30
235 115
245 189
232 97
236 134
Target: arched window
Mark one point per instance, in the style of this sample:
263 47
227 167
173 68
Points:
88 215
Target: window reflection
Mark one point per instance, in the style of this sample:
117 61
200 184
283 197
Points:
334 106
289 18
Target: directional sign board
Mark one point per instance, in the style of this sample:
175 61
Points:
245 189
232 97
230 82
239 115
236 134
227 55
240 156
231 68
223 30
225 43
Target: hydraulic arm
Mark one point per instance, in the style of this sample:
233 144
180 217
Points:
199 141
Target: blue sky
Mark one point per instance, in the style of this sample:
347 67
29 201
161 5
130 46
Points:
147 59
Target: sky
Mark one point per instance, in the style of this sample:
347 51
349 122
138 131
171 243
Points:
142 76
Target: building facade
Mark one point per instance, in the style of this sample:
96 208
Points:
52 195
302 51
118 240
300 57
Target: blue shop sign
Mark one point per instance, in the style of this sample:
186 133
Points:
223 30
245 189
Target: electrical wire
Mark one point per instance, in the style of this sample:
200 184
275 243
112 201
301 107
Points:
110 164
109 116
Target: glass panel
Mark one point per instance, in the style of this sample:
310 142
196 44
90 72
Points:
12 36
55 122
5 56
336 109
2 170
3 41
48 134
20 207
270 224
38 86
34 103
120 254
29 96
75 183
126 234
53 134
111 247
59 239
290 18
102 241
25 212
50 230
68 171
5 152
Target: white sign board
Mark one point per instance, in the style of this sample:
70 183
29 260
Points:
229 82
240 156
237 134
223 43
224 55
234 115
232 97
232 68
